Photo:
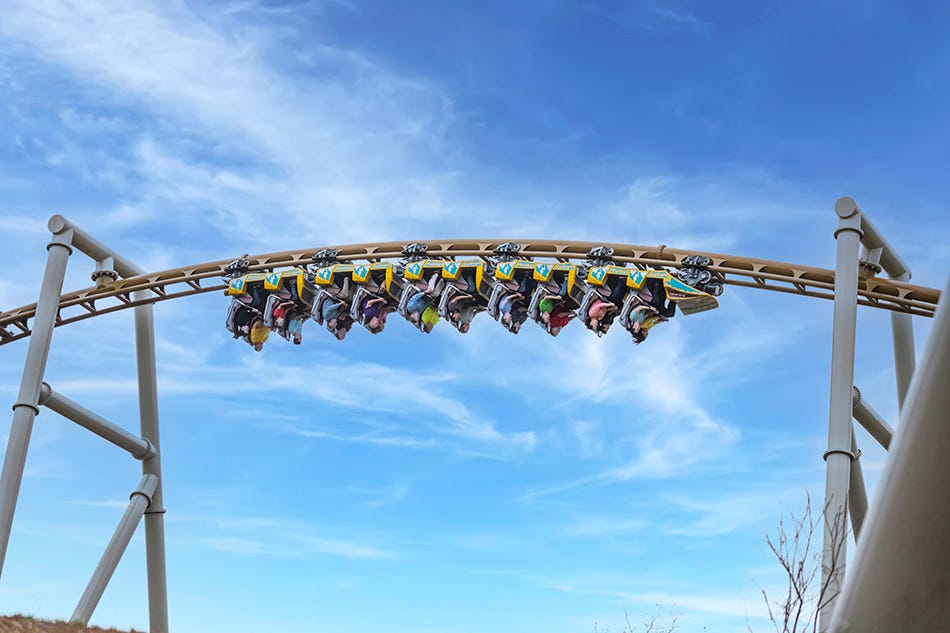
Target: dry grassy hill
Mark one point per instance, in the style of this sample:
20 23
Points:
26 624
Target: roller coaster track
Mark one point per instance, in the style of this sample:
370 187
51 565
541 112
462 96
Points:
738 271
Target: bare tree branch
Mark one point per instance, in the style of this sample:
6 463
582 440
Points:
793 546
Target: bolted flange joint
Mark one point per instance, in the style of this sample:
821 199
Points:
36 409
150 452
104 277
867 268
832 451
142 493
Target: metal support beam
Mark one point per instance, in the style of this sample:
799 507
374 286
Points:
25 408
902 325
902 329
155 516
872 239
872 421
899 578
140 448
92 247
857 492
139 500
838 457
65 236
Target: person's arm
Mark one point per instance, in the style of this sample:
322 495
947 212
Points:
433 283
460 296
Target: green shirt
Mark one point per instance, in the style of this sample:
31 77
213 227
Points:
430 315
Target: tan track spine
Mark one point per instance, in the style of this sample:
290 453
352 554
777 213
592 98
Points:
738 271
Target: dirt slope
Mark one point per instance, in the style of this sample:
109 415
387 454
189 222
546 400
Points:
25 624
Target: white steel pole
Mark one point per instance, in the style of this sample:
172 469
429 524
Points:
138 502
902 325
902 329
899 578
838 456
155 515
25 407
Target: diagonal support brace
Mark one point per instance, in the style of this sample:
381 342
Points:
871 420
139 447
139 501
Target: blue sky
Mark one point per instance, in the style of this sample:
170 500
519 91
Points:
456 483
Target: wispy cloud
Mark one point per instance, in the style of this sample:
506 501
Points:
348 146
718 514
357 140
272 537
366 387
649 15
601 526
590 443
382 496
493 542
664 427
110 503
378 437
709 603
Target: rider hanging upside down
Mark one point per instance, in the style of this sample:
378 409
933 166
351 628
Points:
605 308
248 310
554 314
295 328
512 310
461 312
600 315
513 304
242 321
336 318
642 318
463 306
374 313
421 309
258 334
288 319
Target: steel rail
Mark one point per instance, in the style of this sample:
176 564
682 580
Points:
747 272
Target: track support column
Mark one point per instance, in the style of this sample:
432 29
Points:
25 408
899 582
902 326
839 455
155 515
